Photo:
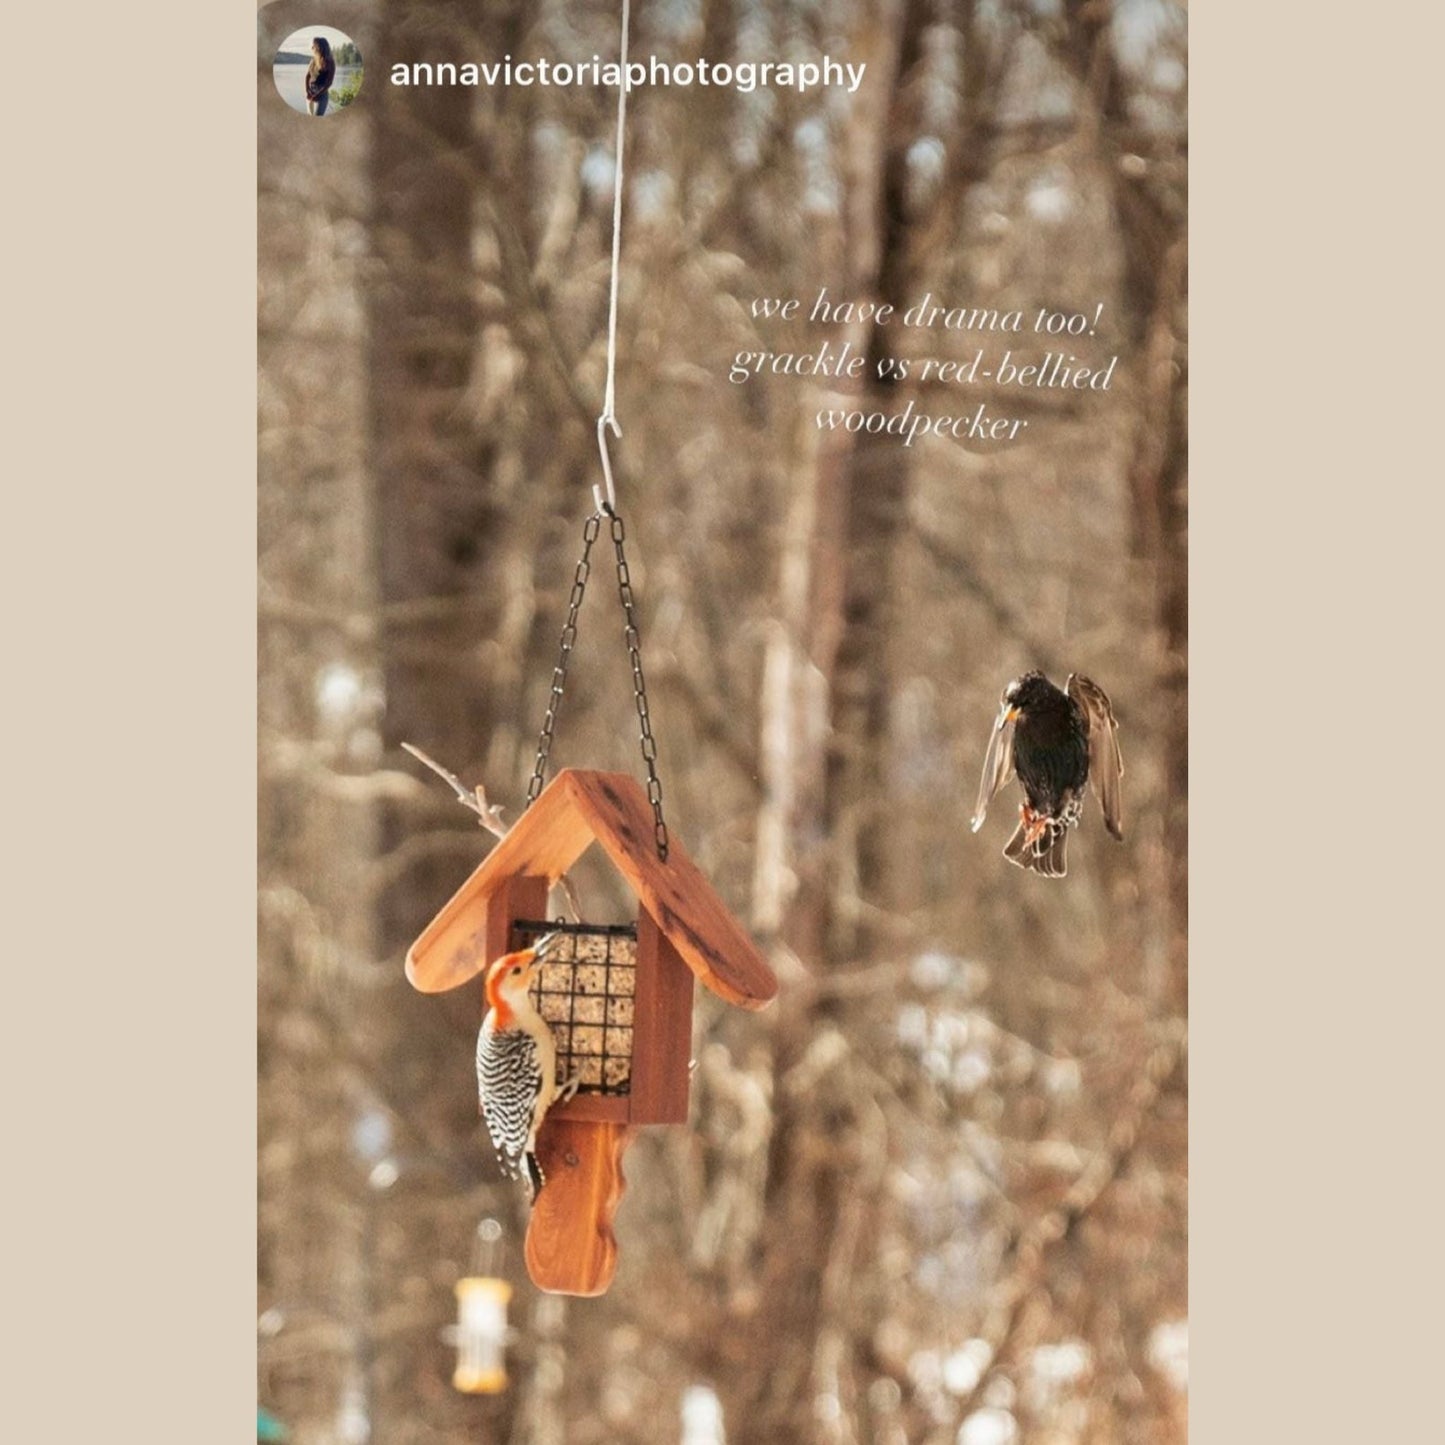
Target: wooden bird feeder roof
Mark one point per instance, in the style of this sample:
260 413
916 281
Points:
575 810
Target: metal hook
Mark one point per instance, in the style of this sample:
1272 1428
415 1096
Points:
603 422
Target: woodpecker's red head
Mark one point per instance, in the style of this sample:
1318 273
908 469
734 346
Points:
509 978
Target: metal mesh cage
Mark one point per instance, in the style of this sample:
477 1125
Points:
585 991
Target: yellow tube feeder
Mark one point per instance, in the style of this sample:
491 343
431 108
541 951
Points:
481 1335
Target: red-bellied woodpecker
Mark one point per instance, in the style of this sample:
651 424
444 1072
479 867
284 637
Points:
517 1065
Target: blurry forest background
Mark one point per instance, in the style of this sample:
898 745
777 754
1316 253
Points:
936 1193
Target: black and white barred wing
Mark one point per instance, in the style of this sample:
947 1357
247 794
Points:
509 1078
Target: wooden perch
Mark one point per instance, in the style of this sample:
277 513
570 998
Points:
570 1246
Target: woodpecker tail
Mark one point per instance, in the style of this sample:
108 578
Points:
1045 855
532 1177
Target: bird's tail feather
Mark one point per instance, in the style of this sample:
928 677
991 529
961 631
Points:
1045 855
532 1176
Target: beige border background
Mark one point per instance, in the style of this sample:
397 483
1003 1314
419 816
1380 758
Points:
1315 1306
129 719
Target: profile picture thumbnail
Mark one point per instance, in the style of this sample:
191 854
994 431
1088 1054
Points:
318 70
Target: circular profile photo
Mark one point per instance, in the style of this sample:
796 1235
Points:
318 70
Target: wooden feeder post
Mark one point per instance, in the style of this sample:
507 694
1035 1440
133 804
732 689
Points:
618 999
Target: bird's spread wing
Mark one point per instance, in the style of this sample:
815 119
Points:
1106 764
998 765
509 1078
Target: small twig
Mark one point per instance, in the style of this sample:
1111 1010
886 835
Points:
489 815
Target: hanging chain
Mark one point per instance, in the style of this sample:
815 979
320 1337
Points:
564 656
633 638
639 686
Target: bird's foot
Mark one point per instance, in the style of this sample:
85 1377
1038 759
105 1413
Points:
1034 824
569 1089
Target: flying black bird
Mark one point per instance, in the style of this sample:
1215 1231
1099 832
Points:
1055 742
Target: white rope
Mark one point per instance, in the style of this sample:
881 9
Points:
608 419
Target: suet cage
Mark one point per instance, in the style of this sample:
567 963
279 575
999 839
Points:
586 990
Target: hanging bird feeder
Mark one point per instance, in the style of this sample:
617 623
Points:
618 999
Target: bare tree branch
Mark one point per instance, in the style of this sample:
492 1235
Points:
489 815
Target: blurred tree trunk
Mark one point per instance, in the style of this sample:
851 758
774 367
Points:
840 547
430 464
316 832
1147 181
439 544
1149 204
